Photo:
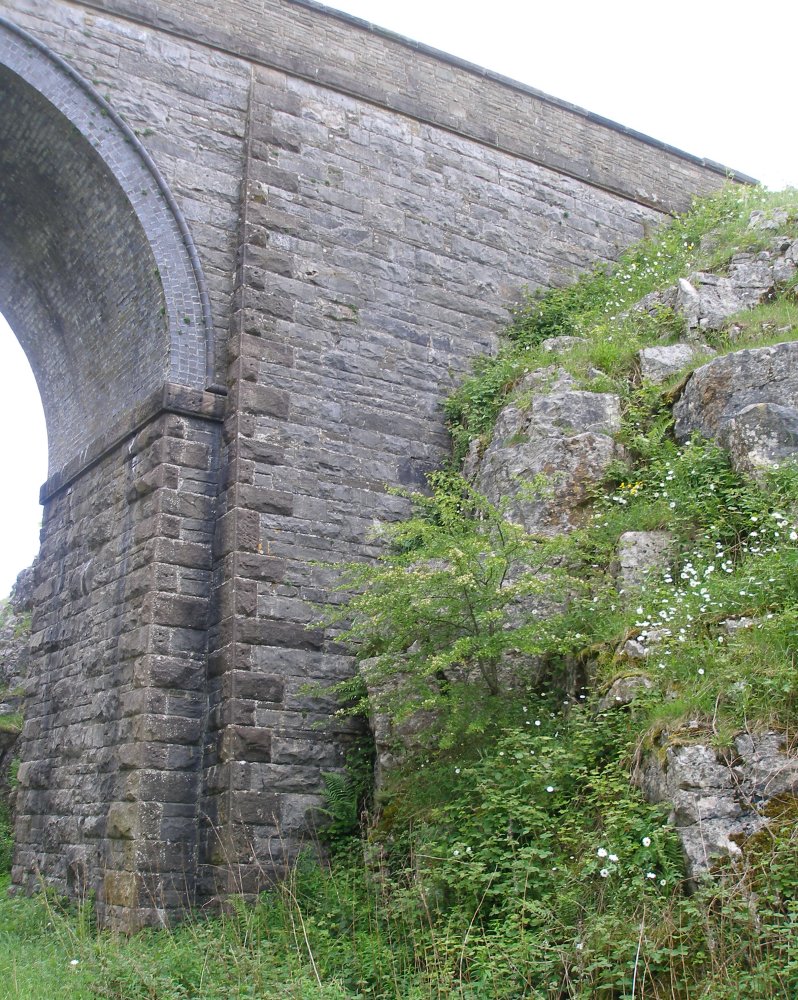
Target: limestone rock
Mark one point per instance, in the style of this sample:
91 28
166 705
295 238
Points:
659 363
623 691
747 402
706 300
472 459
716 802
633 649
556 345
562 439
762 435
761 220
14 636
14 662
640 553
732 625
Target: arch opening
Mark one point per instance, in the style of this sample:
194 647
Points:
23 454
78 281
98 275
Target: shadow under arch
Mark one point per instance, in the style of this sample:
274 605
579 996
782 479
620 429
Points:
99 277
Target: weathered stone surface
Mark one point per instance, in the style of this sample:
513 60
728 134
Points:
14 668
640 554
658 363
732 625
761 436
715 801
120 632
548 448
633 649
556 345
747 402
706 300
623 691
762 220
14 637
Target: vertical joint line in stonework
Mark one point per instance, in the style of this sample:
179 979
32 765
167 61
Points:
245 198
238 324
240 288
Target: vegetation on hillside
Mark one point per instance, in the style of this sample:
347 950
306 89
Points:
510 855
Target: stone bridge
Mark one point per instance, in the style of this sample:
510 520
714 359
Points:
247 247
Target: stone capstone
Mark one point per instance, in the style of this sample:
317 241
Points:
718 801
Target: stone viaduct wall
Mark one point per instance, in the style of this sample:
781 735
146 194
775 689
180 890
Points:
360 213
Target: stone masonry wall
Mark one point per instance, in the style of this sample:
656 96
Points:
179 74
376 256
115 707
348 55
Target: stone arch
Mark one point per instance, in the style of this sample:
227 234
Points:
99 277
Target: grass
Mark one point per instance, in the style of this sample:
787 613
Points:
522 865
11 723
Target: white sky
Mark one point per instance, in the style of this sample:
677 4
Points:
715 79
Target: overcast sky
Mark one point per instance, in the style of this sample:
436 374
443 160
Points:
701 76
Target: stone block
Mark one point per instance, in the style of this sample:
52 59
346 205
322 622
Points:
266 501
256 809
247 743
642 554
255 685
261 400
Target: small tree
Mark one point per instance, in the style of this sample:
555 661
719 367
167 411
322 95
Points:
436 617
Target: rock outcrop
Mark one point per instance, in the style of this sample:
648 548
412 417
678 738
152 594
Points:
747 401
549 446
658 363
717 801
14 631
640 554
705 300
553 442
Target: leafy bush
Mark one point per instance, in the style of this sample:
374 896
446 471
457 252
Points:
436 617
